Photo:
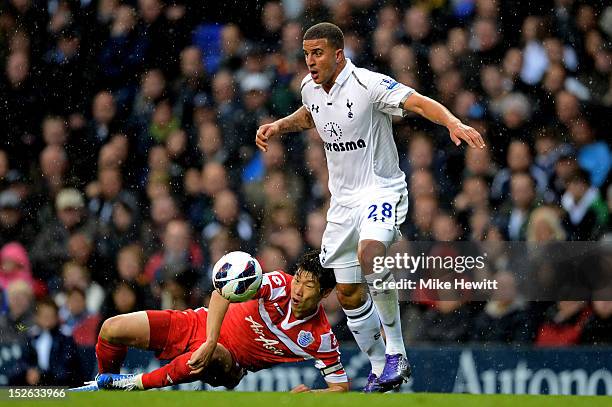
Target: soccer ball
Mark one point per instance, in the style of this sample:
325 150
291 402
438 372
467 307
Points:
237 276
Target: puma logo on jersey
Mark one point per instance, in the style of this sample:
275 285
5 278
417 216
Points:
265 342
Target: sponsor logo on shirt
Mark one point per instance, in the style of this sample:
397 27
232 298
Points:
267 343
345 146
333 130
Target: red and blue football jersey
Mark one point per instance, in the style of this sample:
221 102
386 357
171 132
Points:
262 332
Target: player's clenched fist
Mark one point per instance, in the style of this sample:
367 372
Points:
264 132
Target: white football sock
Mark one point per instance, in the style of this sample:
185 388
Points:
138 380
387 304
365 326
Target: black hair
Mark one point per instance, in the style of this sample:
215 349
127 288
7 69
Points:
331 32
47 302
310 263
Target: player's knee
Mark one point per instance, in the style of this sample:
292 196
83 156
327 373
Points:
222 370
111 329
350 296
367 252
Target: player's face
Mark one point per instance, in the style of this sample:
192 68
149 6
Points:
305 294
321 59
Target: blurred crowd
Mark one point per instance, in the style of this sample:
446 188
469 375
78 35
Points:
128 164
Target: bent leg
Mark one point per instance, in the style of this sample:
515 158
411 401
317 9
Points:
221 371
116 334
127 329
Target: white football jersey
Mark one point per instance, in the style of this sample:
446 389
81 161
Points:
354 121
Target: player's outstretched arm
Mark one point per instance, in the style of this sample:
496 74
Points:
332 387
216 312
437 113
299 120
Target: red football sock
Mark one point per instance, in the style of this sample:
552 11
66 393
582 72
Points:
175 372
110 356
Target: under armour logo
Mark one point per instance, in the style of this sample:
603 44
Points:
315 108
349 104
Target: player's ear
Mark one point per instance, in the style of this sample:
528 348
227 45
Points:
339 55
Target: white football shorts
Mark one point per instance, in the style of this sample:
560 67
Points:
376 217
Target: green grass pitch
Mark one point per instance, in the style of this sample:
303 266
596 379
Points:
226 399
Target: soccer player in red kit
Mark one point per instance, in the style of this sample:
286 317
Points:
284 322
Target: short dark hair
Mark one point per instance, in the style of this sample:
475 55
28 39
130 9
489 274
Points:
47 302
310 263
331 32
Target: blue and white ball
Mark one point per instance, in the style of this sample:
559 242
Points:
237 276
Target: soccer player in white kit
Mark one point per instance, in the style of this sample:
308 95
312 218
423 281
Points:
351 109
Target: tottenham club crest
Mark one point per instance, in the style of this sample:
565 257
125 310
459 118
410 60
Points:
305 338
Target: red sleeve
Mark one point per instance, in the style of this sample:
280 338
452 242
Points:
327 359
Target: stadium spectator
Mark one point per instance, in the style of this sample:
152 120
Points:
50 249
14 265
163 210
446 322
228 214
77 321
130 269
586 212
564 323
504 318
593 156
519 159
180 254
15 322
75 276
545 225
14 225
51 357
516 210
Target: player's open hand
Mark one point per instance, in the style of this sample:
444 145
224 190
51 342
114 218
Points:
201 357
464 132
302 388
264 132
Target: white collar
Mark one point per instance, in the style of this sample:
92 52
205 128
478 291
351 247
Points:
288 325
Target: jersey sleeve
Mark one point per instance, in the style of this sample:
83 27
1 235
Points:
305 82
327 359
274 285
387 95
